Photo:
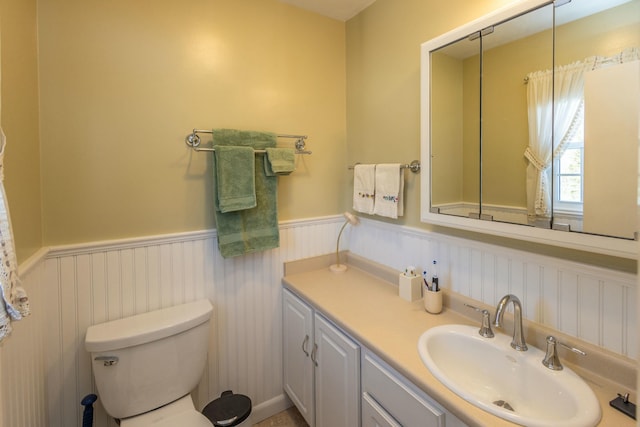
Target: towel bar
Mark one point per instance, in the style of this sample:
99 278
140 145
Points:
193 141
414 166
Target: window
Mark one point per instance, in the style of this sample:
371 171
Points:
569 173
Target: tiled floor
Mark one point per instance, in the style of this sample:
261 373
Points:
289 418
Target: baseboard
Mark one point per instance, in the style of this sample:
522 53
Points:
269 408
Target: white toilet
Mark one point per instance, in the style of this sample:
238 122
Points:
146 365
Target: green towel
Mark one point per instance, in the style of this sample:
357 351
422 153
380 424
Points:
247 138
235 178
249 230
279 161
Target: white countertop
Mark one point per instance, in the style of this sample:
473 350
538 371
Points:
369 309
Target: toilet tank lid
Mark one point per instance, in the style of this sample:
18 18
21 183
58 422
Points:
146 327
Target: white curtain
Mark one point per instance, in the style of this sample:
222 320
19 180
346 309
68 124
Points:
14 304
559 122
568 84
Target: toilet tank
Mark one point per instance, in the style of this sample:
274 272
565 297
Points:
149 360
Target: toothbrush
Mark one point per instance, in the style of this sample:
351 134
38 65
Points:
434 279
424 279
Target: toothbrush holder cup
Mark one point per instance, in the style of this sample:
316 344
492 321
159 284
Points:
433 301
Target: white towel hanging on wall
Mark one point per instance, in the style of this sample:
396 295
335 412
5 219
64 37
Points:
389 186
364 188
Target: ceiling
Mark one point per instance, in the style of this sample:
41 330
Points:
342 10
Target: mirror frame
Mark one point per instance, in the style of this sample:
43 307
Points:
574 240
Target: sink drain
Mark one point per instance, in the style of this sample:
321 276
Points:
503 404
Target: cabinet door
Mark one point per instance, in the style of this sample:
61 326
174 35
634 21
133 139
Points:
373 415
297 343
337 377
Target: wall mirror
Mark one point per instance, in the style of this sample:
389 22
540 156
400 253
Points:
530 124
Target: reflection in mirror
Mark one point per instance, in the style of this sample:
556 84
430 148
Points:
494 94
590 151
455 128
515 47
596 117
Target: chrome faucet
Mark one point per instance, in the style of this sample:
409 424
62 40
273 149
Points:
518 337
485 329
551 359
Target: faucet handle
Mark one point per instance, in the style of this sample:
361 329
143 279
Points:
551 359
485 329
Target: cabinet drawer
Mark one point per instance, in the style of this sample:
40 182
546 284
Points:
402 401
373 415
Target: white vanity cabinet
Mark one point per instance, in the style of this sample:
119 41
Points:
321 367
333 386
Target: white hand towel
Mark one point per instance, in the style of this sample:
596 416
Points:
364 188
389 189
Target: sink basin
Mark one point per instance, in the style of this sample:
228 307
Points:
510 384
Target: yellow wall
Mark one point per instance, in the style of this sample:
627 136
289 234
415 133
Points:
19 120
123 82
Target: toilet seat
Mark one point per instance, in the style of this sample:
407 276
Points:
179 413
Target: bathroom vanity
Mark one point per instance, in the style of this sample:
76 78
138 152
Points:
325 369
351 358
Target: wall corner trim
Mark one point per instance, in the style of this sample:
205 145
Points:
142 241
25 267
128 243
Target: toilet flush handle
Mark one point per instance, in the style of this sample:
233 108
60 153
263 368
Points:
108 360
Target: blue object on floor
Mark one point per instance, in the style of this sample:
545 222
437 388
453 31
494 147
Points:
87 415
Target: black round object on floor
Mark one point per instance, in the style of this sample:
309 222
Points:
228 410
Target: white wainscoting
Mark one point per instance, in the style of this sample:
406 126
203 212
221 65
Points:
22 356
595 304
82 285
46 371
95 284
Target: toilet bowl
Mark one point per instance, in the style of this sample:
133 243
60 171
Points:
177 414
146 366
